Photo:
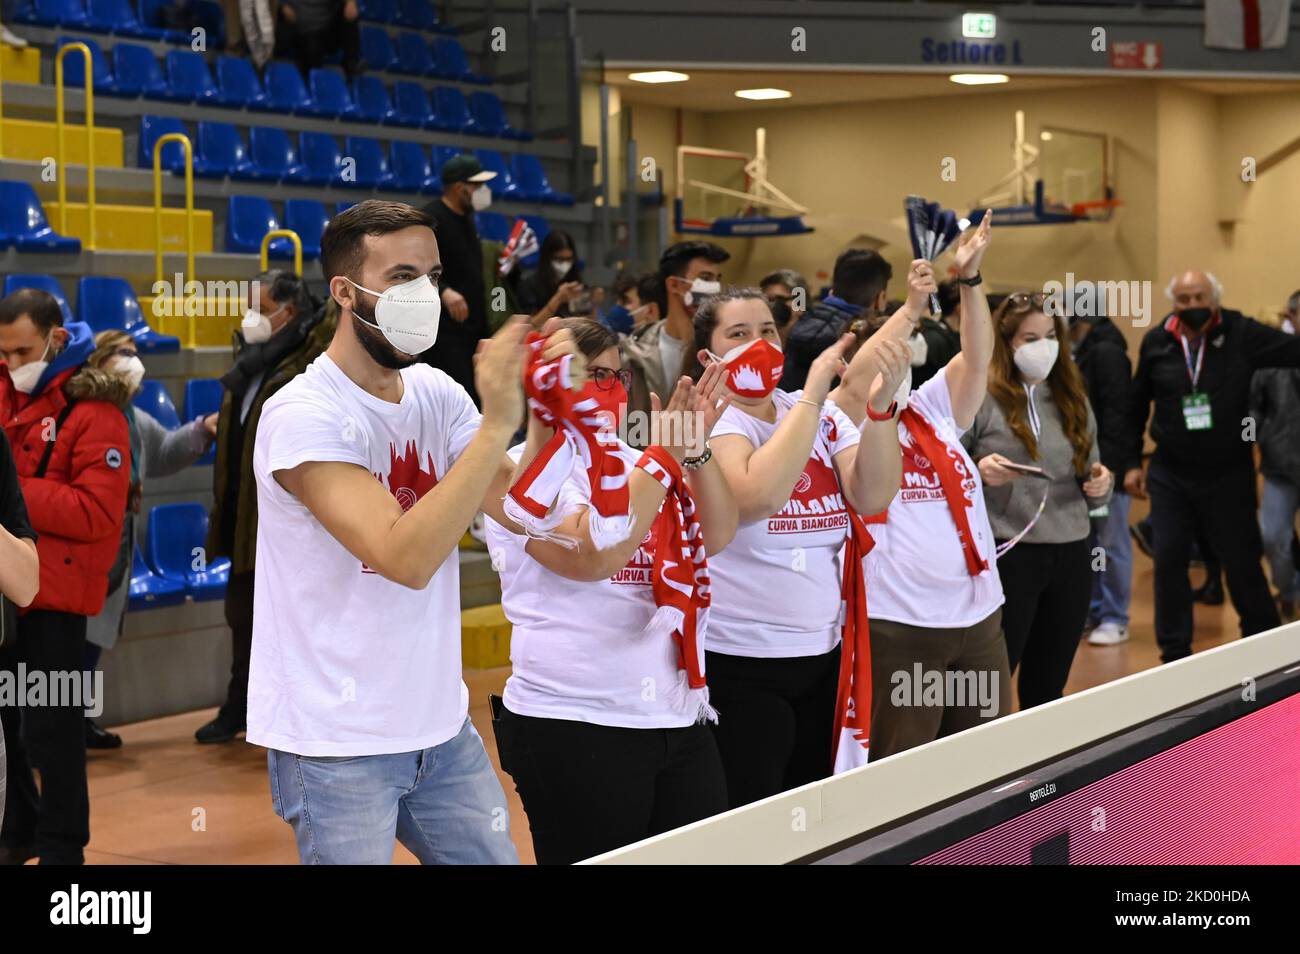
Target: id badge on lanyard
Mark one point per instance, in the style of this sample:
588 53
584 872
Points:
1196 406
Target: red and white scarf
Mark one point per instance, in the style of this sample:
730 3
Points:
853 700
680 583
581 434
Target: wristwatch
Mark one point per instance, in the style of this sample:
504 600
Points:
695 463
971 282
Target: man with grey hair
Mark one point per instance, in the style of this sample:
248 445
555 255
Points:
1195 367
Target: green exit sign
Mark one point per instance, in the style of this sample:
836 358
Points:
982 26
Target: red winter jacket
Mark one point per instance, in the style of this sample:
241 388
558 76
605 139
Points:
77 508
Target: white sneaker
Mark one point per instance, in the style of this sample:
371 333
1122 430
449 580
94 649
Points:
12 39
1108 634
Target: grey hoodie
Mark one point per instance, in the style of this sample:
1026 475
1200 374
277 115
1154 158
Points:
1014 504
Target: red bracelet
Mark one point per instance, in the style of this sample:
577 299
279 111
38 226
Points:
660 465
887 416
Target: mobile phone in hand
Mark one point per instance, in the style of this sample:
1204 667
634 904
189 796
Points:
1025 469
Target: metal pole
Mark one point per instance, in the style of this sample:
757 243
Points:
605 190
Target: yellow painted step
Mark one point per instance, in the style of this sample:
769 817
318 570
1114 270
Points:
36 141
129 228
22 65
215 318
484 637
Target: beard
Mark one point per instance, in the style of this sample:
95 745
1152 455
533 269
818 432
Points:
376 345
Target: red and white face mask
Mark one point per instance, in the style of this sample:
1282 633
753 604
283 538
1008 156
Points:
753 368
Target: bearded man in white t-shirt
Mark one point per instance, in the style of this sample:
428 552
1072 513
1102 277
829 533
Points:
370 467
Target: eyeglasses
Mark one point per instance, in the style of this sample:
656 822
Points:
1028 300
605 377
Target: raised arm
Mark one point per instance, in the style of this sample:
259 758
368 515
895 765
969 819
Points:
409 547
968 372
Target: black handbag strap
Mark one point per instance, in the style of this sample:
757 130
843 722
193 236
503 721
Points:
49 445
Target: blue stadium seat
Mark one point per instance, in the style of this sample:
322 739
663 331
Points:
175 542
74 66
209 15
504 185
221 152
203 397
377 48
152 15
107 304
372 170
320 154
273 156
137 72
493 226
329 91
153 128
238 84
414 56
46 283
68 13
412 170
490 117
412 105
285 89
154 397
120 18
190 79
450 62
541 228
248 219
416 13
149 590
23 225
381 11
532 180
452 111
307 217
371 97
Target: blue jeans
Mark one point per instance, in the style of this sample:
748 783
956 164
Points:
444 804
1111 587
1277 523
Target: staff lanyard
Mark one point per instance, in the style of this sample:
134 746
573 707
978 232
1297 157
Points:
1194 375
1035 422
1036 425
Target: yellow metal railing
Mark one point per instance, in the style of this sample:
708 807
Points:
177 293
297 248
89 84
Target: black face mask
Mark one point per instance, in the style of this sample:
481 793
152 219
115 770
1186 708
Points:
781 313
1195 318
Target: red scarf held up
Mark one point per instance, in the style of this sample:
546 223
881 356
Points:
581 433
853 699
953 476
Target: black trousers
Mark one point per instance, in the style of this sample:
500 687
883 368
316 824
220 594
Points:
309 49
776 721
1223 509
239 617
50 740
589 788
1048 587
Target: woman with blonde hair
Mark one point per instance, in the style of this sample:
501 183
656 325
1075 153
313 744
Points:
1035 442
155 452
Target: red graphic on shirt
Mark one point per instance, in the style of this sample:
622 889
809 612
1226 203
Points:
920 481
816 503
639 570
407 480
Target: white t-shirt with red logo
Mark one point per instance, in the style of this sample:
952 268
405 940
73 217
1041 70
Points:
344 661
916 573
776 586
577 650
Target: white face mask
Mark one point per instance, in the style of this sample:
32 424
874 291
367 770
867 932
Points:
480 198
1287 326
256 327
407 315
131 368
904 391
920 349
29 375
561 268
701 289
1035 360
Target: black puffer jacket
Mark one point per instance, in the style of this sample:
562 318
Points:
1275 406
812 334
1103 359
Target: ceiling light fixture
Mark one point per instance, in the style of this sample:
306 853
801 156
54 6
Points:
979 79
766 92
659 76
